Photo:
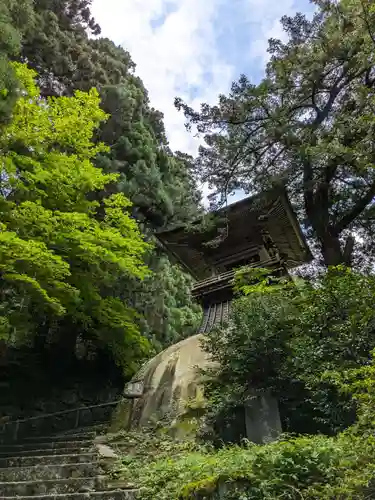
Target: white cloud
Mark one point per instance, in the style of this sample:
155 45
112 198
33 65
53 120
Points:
174 46
173 58
265 16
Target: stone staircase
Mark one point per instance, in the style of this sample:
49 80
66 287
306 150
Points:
67 466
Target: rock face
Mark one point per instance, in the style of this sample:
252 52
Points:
167 382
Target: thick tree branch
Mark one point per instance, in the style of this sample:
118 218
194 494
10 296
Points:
313 100
323 114
337 87
358 208
369 82
330 170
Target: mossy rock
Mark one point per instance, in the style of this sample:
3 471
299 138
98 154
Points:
171 381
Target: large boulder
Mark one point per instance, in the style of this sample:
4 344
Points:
168 382
169 386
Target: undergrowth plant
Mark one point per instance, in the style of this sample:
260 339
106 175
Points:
294 467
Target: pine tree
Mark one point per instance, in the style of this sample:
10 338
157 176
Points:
58 47
15 18
309 125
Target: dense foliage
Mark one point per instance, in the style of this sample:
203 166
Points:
15 17
163 193
309 467
159 183
282 337
305 467
169 313
308 124
61 41
59 262
58 47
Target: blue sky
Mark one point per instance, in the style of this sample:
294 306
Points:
193 49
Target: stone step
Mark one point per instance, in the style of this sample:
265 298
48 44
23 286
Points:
76 434
52 486
28 461
57 471
41 445
129 494
46 451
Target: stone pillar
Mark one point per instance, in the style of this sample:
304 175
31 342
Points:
262 419
122 416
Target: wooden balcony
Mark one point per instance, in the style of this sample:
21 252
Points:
225 280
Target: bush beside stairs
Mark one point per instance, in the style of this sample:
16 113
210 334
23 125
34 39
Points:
69 466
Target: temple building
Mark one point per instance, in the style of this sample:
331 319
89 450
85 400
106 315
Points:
259 231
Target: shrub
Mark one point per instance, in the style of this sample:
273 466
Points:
306 467
283 337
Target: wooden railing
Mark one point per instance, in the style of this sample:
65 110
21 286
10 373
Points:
224 279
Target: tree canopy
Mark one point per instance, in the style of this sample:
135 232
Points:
308 124
159 183
58 261
58 47
15 18
130 163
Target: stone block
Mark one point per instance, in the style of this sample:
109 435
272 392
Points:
121 417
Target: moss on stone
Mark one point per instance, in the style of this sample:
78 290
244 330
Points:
121 416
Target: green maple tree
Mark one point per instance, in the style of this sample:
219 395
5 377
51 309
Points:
58 260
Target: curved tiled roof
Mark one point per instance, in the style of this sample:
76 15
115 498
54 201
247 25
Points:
245 221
